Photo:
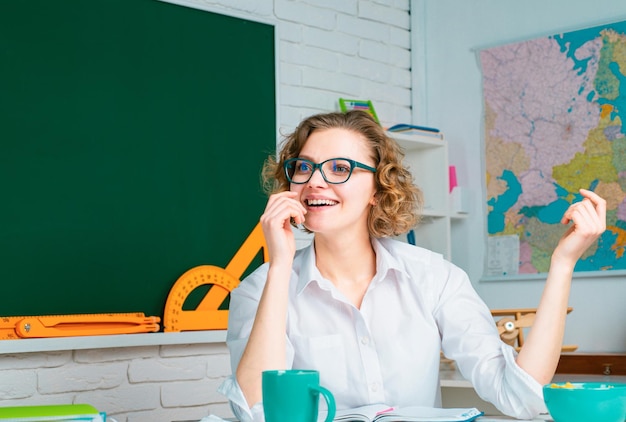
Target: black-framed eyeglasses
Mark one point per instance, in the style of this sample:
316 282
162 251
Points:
333 170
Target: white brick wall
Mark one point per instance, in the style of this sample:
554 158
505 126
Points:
138 384
327 49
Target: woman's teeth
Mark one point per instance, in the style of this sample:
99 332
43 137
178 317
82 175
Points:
320 202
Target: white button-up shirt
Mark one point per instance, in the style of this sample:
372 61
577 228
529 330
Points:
388 351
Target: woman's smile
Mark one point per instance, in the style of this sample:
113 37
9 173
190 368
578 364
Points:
319 202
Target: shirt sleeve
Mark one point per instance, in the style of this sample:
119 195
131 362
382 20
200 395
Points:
244 302
238 404
470 337
520 381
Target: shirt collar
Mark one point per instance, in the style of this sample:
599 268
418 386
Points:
385 262
308 272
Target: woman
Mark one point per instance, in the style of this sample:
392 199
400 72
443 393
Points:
370 313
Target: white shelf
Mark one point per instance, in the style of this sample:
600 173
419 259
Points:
416 142
112 341
431 213
427 159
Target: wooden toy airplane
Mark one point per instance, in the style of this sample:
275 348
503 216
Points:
511 329
513 322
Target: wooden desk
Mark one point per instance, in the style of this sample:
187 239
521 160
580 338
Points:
592 363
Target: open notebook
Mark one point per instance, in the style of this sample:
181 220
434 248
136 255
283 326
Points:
383 413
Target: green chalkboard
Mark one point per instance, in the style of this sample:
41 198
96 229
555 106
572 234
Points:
132 134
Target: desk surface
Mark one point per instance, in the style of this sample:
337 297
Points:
453 378
543 418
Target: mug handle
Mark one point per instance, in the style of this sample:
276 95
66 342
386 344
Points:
330 401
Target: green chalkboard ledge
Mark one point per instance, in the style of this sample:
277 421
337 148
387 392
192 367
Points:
103 342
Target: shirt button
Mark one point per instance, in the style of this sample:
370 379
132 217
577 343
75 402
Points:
365 340
374 387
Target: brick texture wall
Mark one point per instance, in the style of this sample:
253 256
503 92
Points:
132 384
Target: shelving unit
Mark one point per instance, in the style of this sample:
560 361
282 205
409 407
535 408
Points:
427 159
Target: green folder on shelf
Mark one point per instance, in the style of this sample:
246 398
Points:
56 412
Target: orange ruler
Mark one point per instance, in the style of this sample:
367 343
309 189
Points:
17 327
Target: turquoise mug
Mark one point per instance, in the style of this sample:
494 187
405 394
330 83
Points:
292 395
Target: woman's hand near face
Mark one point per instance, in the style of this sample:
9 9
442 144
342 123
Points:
281 208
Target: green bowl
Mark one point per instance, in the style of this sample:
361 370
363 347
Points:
586 401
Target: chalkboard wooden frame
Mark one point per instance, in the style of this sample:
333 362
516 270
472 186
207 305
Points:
59 257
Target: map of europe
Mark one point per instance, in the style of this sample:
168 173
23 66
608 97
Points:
555 114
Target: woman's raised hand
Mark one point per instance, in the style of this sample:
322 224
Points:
589 222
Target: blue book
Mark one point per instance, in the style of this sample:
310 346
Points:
402 127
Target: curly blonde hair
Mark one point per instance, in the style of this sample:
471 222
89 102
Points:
398 200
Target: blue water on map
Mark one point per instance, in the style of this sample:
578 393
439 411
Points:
605 257
549 214
501 204
570 42
552 212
